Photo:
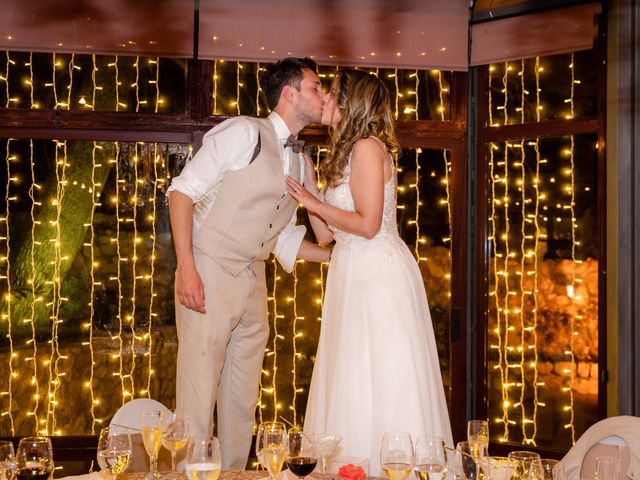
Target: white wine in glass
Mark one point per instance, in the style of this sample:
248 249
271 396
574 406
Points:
430 458
203 459
396 455
274 450
478 437
7 460
175 433
151 438
270 426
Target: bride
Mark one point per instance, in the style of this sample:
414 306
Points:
376 368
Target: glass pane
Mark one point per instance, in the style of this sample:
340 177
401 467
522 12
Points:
88 282
542 346
89 222
415 94
566 84
83 82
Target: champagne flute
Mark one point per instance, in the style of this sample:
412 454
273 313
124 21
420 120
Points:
203 458
326 444
151 436
274 450
34 459
396 455
302 455
175 433
430 459
7 460
478 437
527 461
114 450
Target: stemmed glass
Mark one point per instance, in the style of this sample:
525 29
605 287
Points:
469 465
498 468
175 433
272 426
478 437
527 462
114 450
326 444
274 449
430 458
7 460
302 456
547 467
203 458
608 468
151 436
34 458
396 455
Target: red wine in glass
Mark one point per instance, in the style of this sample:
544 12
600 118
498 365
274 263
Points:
301 466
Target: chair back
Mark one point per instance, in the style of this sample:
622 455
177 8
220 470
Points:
130 415
611 446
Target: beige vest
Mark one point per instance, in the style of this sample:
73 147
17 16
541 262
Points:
250 209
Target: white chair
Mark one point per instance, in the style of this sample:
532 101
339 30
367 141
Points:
129 415
612 437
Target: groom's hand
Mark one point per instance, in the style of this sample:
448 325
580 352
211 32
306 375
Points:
190 289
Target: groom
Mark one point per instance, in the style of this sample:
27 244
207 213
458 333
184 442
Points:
229 210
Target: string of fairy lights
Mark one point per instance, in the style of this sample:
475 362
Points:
134 265
514 289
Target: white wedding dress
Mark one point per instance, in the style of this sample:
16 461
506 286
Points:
376 367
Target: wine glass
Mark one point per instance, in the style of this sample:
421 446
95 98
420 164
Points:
396 455
175 433
34 458
608 468
547 466
430 459
302 456
469 465
114 450
274 449
151 436
527 461
203 458
326 444
7 460
260 436
478 437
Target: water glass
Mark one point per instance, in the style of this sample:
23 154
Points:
7 460
498 468
203 459
34 458
608 468
114 450
478 437
430 459
527 462
396 455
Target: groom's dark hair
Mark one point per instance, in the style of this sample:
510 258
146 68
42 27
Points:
287 71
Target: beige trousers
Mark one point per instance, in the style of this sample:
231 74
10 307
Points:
220 356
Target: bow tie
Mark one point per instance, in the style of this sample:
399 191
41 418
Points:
296 145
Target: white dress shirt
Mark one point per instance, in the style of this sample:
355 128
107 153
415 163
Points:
230 146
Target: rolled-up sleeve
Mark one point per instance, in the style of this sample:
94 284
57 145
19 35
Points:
288 243
227 146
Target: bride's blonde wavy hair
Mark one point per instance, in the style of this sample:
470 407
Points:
364 103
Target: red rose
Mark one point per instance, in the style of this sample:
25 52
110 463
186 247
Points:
351 472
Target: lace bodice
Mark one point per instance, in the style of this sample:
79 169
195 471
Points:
340 197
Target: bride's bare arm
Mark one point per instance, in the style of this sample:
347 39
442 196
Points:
320 228
367 189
